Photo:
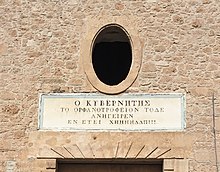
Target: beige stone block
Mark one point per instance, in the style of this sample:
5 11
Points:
119 6
149 75
96 150
160 48
168 165
3 48
212 67
182 140
178 19
51 141
208 50
108 150
206 1
217 74
71 65
34 54
76 82
217 123
51 164
165 79
181 165
6 95
218 155
149 67
19 134
54 81
201 91
197 23
162 63
11 109
169 70
4 145
203 155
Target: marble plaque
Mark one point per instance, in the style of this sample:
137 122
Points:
125 112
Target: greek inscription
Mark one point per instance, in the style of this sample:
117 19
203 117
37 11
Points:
77 103
132 122
65 109
112 113
88 122
150 109
112 103
72 122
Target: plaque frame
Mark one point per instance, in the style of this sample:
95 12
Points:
42 97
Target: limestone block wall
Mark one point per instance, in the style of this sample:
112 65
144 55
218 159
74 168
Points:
42 44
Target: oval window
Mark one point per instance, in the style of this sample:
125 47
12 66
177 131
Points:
112 55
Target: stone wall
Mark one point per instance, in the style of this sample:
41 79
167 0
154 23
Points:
41 47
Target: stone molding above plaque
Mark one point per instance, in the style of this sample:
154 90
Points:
98 112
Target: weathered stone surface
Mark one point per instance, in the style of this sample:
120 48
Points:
11 109
149 67
160 48
7 95
119 6
217 122
201 91
52 141
41 51
3 48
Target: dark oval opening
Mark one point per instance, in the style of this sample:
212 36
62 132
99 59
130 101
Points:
112 55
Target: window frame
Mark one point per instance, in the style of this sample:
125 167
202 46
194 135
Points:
87 49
